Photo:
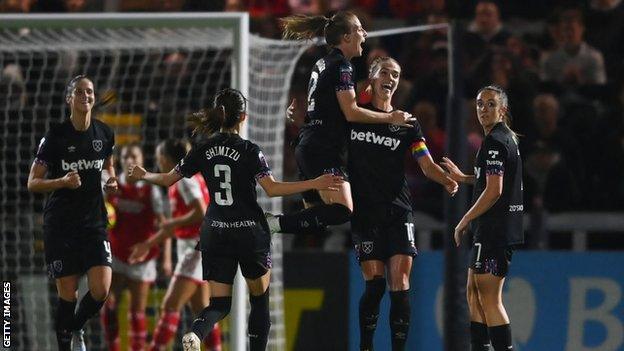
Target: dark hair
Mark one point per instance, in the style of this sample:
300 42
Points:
309 27
69 88
174 149
227 107
129 146
502 96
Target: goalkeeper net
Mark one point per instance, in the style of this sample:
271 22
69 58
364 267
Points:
149 73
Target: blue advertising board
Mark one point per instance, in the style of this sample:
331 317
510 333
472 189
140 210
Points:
556 301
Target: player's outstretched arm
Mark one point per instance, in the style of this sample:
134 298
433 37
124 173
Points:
37 183
354 113
489 196
434 172
274 188
163 179
455 173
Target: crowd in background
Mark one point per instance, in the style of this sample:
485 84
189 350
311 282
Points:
561 62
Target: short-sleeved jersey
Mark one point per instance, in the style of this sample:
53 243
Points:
325 126
231 167
181 194
65 149
376 162
501 225
137 205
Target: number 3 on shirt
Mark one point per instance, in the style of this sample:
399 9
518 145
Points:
226 185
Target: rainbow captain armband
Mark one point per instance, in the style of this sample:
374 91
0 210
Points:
419 149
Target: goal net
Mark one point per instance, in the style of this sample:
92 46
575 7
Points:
149 72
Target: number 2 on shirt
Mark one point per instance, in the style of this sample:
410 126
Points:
226 185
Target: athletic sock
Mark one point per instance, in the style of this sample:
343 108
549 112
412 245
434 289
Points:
259 322
111 325
87 308
138 331
218 309
313 219
165 330
399 318
64 322
501 337
369 311
212 342
479 337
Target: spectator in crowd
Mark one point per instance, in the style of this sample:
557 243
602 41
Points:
605 32
23 6
575 63
485 31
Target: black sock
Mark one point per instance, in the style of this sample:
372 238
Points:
313 219
259 322
501 337
479 338
399 318
63 323
87 308
218 309
369 311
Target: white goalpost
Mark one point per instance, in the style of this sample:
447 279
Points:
152 70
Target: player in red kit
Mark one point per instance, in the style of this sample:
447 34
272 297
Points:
188 201
138 207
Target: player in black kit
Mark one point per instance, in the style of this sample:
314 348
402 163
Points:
382 221
331 104
69 165
496 216
234 231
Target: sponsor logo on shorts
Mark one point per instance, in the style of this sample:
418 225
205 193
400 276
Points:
54 268
97 145
367 247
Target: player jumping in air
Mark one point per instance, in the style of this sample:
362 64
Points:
331 104
496 217
234 231
69 166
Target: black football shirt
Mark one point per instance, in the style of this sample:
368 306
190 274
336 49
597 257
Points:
231 167
64 149
501 225
376 162
325 125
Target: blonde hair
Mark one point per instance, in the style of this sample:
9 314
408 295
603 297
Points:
302 27
375 68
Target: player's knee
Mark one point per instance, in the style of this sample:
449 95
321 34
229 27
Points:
399 282
222 304
99 293
337 214
375 289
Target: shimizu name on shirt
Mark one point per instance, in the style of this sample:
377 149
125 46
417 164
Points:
371 137
235 224
222 151
82 165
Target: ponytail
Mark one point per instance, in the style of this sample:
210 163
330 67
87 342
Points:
301 27
228 104
207 121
